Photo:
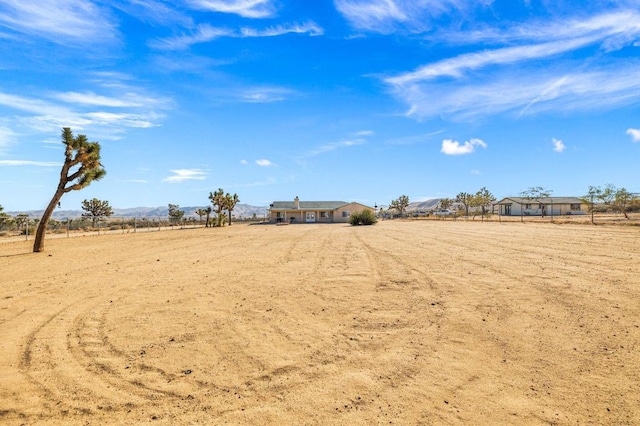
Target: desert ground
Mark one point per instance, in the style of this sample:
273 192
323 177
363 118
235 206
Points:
404 322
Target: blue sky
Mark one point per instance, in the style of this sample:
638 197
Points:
353 100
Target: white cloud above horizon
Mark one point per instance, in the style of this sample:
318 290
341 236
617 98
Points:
245 8
558 145
451 147
263 162
181 175
517 78
634 133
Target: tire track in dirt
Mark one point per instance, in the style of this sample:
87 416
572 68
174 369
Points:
71 375
574 303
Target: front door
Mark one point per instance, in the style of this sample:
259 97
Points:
507 210
311 217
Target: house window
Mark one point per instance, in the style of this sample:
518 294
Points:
527 206
575 206
323 214
346 214
278 214
540 205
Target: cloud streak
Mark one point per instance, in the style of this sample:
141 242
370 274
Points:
386 16
204 33
323 149
244 8
64 22
106 116
538 75
28 163
181 175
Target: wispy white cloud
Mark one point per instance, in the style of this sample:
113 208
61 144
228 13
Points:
365 133
264 163
205 33
201 34
124 100
614 29
263 95
451 147
244 162
635 134
76 110
244 8
386 16
153 12
180 175
28 163
538 75
545 89
307 28
456 67
79 22
7 137
558 145
333 146
411 140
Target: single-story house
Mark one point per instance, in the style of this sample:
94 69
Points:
546 206
297 211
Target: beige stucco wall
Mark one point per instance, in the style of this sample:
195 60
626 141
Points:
350 209
331 216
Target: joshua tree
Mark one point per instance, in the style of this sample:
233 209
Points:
81 167
535 193
218 200
446 203
464 199
95 209
400 204
175 214
4 218
200 213
208 211
622 200
230 203
482 199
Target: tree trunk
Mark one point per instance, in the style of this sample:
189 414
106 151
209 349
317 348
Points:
38 245
229 216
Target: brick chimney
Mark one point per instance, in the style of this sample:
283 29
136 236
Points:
296 202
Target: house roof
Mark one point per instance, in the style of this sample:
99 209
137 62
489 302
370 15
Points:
542 200
307 205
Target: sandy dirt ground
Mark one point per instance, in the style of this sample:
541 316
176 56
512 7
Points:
414 322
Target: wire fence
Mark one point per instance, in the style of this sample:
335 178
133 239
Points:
22 226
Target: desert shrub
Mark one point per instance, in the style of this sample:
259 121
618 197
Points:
365 217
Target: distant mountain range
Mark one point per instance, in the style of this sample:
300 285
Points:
240 211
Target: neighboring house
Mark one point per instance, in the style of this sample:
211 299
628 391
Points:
547 206
297 211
